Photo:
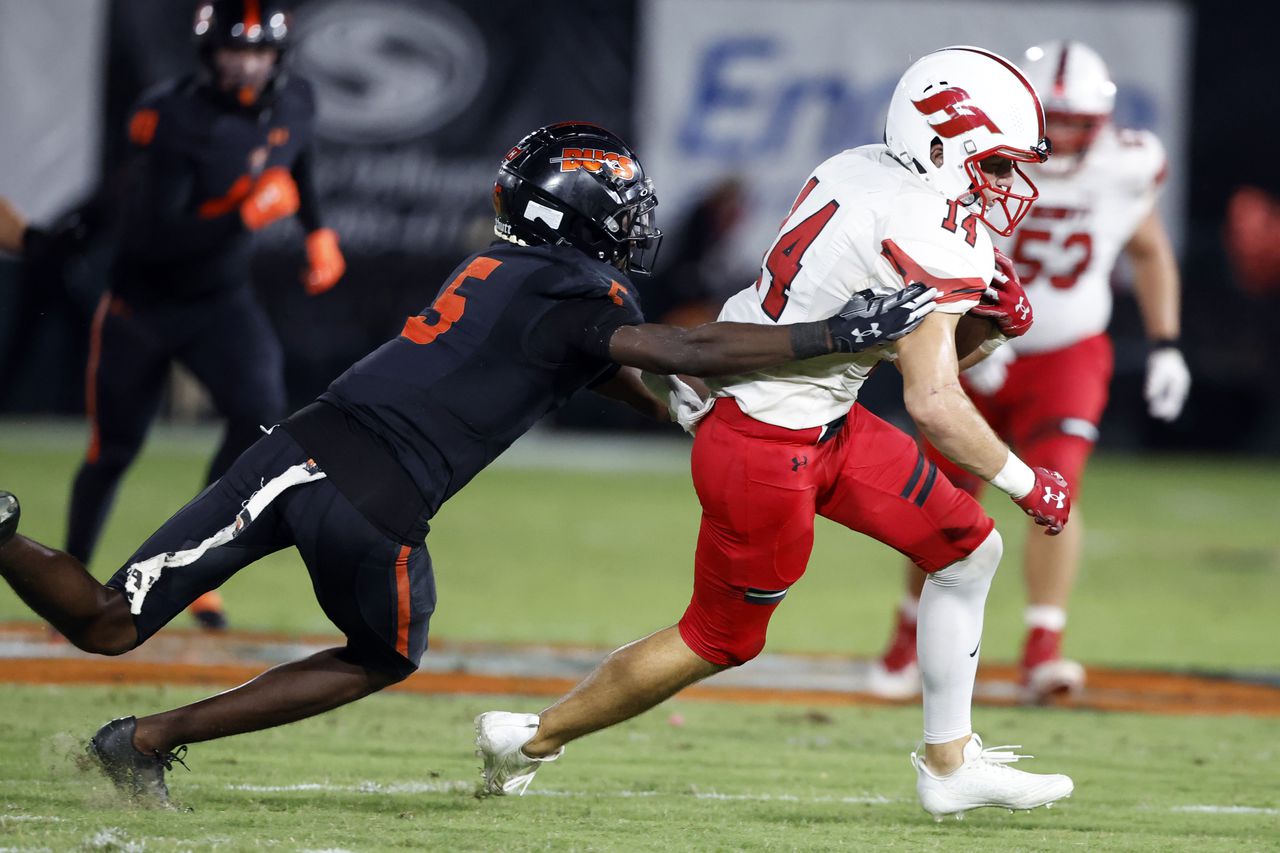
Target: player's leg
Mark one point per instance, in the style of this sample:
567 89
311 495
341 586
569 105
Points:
235 354
124 381
946 533
755 538
1064 394
378 591
896 674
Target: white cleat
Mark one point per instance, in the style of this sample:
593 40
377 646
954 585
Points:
886 683
986 779
499 738
1053 678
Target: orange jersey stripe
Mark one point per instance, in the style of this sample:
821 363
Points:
91 378
403 602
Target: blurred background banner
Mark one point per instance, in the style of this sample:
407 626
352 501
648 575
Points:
764 91
50 112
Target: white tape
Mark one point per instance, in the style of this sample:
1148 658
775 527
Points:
142 576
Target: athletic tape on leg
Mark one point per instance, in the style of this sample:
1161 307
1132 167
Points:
143 575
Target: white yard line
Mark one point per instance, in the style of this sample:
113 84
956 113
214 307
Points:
1202 809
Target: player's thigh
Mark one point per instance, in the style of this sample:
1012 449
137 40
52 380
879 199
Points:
886 488
237 356
215 508
754 541
125 375
380 592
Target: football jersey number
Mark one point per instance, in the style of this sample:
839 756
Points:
969 223
450 304
783 261
1077 243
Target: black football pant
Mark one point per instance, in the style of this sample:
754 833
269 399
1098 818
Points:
225 340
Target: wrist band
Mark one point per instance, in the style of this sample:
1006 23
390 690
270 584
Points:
1015 479
1163 343
810 339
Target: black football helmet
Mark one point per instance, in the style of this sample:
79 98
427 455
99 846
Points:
578 184
240 24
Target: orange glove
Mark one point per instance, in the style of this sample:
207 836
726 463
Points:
274 196
325 264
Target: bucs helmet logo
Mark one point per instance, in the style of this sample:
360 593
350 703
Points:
595 159
961 115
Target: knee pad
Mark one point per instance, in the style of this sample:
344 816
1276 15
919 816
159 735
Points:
977 568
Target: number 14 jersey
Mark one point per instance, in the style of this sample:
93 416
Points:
862 220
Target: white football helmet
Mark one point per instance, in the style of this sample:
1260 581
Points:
978 105
1077 92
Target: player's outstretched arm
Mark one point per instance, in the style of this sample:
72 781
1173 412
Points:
947 418
1158 290
720 349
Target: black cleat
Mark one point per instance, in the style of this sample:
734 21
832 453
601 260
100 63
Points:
10 512
211 620
134 772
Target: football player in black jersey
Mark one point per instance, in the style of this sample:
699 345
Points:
215 157
353 480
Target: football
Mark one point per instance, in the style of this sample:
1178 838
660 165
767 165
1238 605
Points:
971 332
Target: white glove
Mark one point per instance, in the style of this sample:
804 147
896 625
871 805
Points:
988 376
684 404
1168 382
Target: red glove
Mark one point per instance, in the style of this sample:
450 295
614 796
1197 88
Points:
325 264
274 196
1049 501
1005 302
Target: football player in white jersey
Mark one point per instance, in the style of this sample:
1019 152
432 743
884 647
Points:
781 446
1045 392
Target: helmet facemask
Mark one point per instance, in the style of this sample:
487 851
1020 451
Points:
986 197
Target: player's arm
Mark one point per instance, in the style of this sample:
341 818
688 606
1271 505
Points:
1158 290
627 386
13 227
721 349
325 263
947 418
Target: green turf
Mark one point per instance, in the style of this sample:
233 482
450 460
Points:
396 773
1182 562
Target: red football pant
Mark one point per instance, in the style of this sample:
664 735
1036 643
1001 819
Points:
1048 409
761 487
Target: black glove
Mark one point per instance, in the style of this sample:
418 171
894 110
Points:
868 320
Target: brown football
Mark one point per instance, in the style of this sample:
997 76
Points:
971 332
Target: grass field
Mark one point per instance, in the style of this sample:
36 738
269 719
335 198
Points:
394 772
1182 569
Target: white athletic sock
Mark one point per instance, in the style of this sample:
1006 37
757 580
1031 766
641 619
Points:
1045 616
948 636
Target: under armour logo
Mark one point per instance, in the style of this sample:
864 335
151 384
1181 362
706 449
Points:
798 461
873 332
1050 497
1023 309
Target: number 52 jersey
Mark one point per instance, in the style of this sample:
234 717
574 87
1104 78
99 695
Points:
862 220
1067 246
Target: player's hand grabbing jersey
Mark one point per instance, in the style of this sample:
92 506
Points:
1067 246
861 221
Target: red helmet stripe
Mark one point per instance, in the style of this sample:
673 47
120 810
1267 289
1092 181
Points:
1031 90
1060 75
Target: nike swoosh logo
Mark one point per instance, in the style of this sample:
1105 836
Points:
975 649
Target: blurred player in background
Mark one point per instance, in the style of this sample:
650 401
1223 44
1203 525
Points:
354 479
1045 392
215 157
782 445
